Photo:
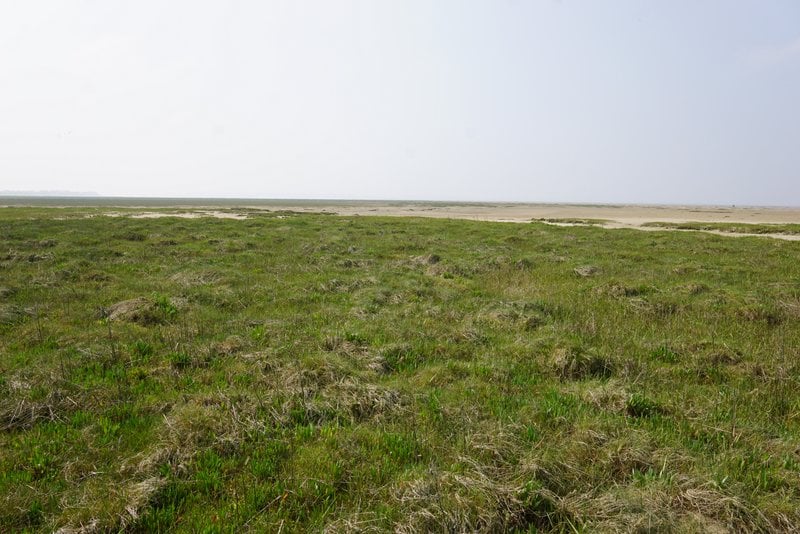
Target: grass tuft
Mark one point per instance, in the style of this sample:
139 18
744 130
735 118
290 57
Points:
291 372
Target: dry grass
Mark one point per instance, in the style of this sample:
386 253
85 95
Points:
311 373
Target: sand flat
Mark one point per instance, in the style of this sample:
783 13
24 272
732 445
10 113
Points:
495 211
613 215
633 215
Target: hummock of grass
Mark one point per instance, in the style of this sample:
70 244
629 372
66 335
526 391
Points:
738 228
313 373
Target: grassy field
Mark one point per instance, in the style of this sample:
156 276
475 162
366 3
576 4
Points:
302 373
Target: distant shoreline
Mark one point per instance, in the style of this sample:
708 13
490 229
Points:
80 200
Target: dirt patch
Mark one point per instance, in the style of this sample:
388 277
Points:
182 215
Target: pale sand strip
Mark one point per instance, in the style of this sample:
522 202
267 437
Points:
614 216
622 214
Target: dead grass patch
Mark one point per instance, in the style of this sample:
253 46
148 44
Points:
11 314
586 271
576 364
18 412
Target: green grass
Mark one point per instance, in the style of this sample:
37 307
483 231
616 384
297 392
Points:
739 228
308 372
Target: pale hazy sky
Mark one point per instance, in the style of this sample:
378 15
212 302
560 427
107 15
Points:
685 101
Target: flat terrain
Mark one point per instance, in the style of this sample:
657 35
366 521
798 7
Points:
231 368
625 214
619 214
727 220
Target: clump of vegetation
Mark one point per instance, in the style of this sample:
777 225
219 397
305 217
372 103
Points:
294 372
641 406
144 311
586 270
665 354
576 364
11 314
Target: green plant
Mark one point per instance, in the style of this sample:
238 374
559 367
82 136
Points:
165 306
180 360
141 349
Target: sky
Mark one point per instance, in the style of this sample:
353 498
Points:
679 102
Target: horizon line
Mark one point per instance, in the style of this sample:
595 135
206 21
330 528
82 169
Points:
88 197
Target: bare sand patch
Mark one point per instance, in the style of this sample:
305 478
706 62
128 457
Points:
182 215
608 216
632 215
785 237
603 215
